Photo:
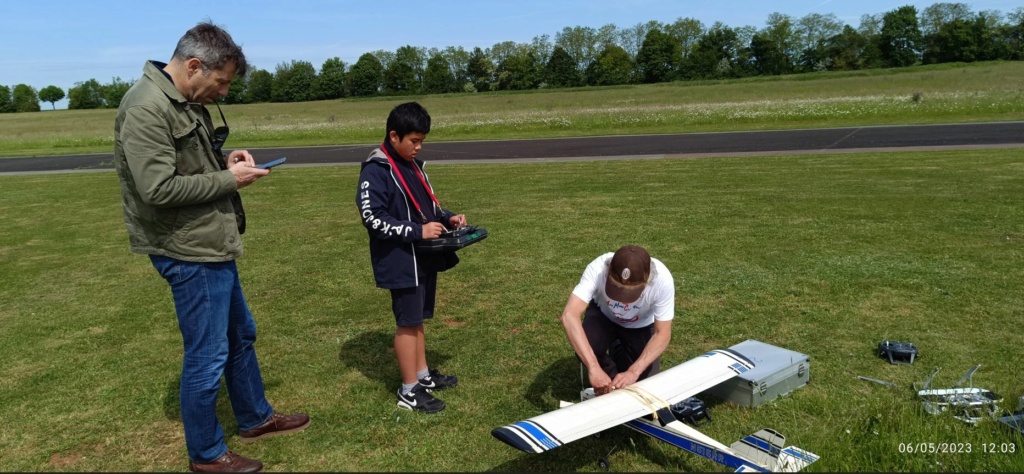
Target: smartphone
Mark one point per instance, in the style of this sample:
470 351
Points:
271 164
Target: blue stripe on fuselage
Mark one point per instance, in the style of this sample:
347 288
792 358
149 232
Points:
692 446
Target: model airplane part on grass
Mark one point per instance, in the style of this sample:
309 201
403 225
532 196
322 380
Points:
880 382
762 451
969 405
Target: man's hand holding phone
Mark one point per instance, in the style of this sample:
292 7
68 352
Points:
242 165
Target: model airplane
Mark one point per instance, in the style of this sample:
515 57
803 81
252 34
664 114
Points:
969 405
646 407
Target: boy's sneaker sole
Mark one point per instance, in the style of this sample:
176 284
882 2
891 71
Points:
420 400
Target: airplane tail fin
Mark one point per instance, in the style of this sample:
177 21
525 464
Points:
766 449
793 459
762 447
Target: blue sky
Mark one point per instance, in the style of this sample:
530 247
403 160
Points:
67 41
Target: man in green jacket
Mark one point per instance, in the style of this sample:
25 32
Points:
179 194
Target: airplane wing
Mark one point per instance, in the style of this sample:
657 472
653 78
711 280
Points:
555 428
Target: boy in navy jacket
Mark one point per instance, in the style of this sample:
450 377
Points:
398 207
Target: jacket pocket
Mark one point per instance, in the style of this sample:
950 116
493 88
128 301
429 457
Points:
199 230
188 150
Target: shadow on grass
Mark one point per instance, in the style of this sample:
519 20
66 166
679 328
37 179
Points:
559 381
373 355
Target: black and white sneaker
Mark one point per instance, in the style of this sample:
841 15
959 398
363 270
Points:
438 381
419 399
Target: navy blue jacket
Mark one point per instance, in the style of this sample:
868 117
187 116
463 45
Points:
387 214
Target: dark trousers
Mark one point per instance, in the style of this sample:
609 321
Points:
617 347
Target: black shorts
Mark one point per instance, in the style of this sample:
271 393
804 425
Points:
414 305
617 347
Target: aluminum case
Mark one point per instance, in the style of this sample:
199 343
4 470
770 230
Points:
776 372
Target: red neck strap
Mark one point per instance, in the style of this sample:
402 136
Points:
408 192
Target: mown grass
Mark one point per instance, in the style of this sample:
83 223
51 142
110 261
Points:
826 255
945 93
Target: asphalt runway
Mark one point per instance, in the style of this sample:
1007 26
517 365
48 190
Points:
689 145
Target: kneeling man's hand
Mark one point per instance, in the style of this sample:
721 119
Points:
601 382
624 379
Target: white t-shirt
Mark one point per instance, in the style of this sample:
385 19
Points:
656 303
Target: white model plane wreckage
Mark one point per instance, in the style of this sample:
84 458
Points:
969 405
646 407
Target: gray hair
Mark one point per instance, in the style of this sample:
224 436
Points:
213 46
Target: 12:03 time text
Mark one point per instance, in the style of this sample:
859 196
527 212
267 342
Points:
957 448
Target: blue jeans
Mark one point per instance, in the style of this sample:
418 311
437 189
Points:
218 334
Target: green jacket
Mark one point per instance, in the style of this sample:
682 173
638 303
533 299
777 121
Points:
174 190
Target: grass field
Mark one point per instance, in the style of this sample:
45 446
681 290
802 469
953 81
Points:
826 255
944 93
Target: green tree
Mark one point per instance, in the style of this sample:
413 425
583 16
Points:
768 59
259 85
480 70
846 50
518 71
502 51
939 14
438 78
715 56
114 92
85 95
293 82
237 91
25 98
773 47
612 67
631 38
542 47
581 42
812 34
605 36
560 70
870 29
900 38
366 76
6 105
944 25
402 75
332 82
687 32
743 61
458 60
965 41
1011 36
50 94
659 58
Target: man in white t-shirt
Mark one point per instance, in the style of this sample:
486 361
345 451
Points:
627 297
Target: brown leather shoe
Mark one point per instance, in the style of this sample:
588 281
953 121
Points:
229 462
278 424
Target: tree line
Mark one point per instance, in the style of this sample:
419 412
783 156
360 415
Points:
649 52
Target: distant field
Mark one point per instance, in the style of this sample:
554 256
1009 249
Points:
825 254
929 94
